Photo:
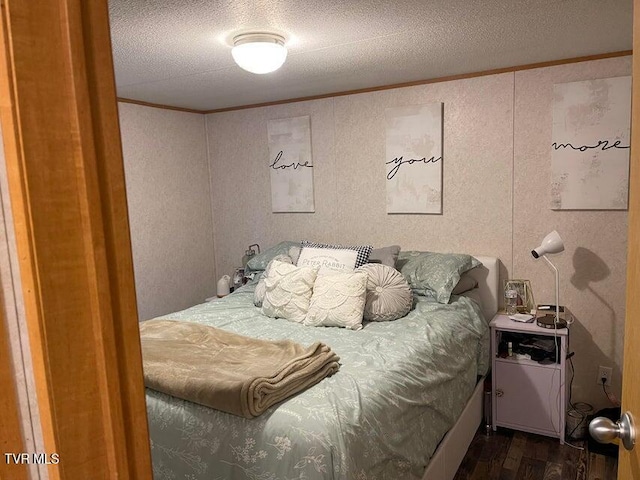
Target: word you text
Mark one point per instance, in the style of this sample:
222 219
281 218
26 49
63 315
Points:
399 161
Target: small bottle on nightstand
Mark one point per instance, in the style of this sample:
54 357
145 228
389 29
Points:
511 300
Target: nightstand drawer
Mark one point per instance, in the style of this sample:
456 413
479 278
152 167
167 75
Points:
527 396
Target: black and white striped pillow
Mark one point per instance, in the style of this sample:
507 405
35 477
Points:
363 250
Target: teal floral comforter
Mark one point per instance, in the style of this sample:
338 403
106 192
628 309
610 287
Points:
401 386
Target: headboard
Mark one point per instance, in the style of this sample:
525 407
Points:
488 275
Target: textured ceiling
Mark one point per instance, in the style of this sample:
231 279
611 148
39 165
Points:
178 52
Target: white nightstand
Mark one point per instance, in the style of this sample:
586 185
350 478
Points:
528 395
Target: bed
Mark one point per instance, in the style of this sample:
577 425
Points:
405 403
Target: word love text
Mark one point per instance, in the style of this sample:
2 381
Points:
295 165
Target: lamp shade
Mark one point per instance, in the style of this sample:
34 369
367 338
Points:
259 52
552 243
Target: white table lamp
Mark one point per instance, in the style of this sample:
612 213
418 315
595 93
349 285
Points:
552 243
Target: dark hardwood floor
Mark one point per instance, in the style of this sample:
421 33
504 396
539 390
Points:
511 455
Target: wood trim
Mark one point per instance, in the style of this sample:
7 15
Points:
11 434
449 78
629 462
66 182
158 105
11 440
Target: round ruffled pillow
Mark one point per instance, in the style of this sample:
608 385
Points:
389 296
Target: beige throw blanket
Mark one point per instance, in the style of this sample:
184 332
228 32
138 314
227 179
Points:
226 371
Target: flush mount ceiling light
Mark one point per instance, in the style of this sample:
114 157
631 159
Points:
259 52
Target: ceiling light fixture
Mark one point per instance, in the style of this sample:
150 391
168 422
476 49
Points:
259 52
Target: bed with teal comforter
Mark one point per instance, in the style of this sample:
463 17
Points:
401 386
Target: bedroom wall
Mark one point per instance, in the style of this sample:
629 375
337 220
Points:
169 200
496 194
347 143
593 266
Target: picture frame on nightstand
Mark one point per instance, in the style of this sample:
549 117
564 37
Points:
525 302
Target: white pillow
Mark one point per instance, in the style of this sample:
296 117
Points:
261 288
288 291
338 301
328 260
388 294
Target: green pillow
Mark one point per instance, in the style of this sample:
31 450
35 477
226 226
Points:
434 274
259 262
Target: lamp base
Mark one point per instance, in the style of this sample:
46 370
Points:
549 321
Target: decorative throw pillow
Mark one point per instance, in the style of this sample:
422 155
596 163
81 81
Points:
259 262
434 274
294 253
338 301
389 296
328 260
363 250
261 288
385 255
466 283
288 291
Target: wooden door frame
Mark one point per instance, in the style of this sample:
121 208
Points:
628 465
64 163
11 440
66 183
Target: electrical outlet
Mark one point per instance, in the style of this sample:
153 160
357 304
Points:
604 372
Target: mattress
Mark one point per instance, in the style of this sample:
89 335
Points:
400 388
